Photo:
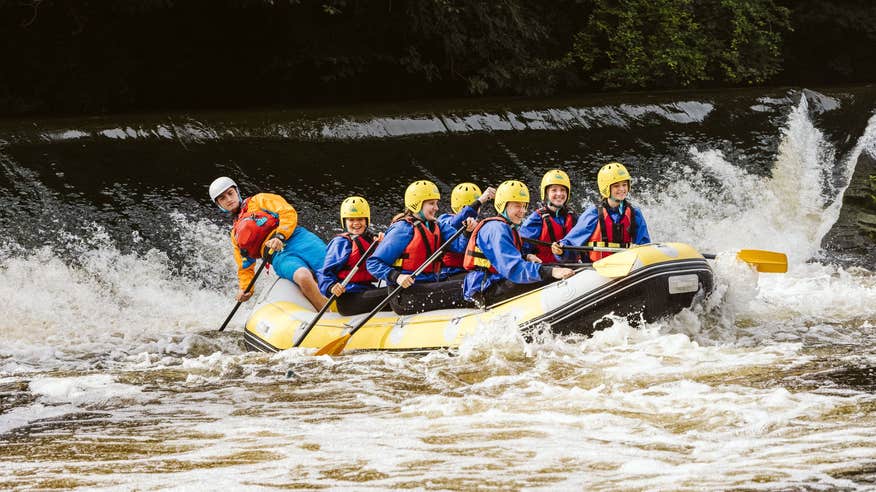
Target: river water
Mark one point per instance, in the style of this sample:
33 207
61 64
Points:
115 271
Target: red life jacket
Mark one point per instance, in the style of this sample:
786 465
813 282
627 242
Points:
252 229
452 259
359 245
612 234
551 232
475 259
425 241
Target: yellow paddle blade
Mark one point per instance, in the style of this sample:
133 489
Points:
334 347
765 261
616 265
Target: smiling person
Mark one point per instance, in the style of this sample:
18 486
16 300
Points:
413 236
494 256
553 220
614 223
343 252
263 222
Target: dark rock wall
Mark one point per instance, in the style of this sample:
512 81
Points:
854 234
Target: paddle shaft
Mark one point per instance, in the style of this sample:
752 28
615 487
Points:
437 254
248 288
603 249
332 299
763 261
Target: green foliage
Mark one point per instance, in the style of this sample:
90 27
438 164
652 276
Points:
678 43
641 43
749 46
486 45
139 54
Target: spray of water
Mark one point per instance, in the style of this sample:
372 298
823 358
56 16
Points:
720 207
108 304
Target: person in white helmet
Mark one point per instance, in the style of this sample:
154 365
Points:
267 222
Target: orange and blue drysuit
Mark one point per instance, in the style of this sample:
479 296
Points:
261 217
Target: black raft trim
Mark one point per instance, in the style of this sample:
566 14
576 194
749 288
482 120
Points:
253 342
614 287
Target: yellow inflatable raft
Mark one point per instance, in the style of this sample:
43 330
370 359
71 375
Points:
662 280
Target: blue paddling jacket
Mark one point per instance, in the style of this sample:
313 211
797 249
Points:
534 228
589 221
494 240
337 259
402 251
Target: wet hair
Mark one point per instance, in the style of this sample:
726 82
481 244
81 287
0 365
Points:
402 216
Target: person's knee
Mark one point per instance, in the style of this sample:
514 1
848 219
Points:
302 276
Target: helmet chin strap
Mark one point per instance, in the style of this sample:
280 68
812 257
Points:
513 225
620 202
557 209
422 216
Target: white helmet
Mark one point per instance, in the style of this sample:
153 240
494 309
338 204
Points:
219 185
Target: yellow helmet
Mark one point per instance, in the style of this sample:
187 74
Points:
463 194
510 191
418 192
611 173
354 207
555 177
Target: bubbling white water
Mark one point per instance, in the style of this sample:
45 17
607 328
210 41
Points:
719 206
109 304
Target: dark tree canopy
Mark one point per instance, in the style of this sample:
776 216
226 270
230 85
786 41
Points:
63 56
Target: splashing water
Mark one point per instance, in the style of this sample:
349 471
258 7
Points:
719 206
107 305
